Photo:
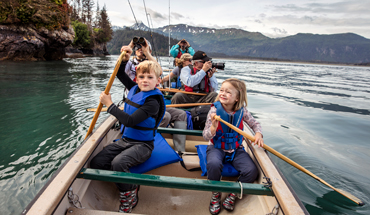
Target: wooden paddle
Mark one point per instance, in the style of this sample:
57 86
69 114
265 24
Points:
173 106
181 91
251 138
187 105
106 91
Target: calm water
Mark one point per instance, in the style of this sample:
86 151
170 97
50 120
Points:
317 115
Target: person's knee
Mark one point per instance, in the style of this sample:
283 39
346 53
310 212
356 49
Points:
251 173
177 98
213 163
119 165
183 116
93 163
166 120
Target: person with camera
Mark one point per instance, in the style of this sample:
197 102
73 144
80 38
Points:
143 51
199 78
181 48
184 61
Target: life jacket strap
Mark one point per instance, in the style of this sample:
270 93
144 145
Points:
129 102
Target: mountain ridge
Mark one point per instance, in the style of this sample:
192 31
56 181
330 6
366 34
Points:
231 42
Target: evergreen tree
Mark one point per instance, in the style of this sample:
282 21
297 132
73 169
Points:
105 32
88 6
97 16
79 10
75 11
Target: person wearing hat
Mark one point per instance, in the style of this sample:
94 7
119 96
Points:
180 48
198 78
142 53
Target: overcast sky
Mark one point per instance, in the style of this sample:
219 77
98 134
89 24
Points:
270 17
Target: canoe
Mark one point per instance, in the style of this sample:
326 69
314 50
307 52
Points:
170 189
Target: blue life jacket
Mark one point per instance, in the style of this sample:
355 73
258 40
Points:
226 138
147 129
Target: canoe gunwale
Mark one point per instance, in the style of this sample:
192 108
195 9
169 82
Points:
32 205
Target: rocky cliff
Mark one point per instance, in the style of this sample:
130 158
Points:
31 44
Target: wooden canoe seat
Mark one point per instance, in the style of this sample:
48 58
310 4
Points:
83 211
174 182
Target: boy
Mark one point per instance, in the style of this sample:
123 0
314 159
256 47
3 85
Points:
144 109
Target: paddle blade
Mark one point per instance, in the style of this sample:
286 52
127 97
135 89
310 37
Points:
351 197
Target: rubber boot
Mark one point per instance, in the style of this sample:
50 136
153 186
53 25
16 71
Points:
179 139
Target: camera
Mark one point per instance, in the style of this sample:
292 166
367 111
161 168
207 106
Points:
218 65
139 42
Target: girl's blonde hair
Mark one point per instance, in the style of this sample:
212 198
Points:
183 58
241 88
147 66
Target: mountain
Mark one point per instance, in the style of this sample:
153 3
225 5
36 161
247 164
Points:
123 37
335 48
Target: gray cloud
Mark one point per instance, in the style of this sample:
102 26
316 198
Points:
318 20
176 15
258 21
344 7
155 15
280 31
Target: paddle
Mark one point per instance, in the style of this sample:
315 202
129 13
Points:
187 105
106 91
173 106
181 91
250 137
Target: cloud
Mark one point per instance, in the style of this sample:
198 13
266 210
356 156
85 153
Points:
280 31
344 7
119 17
319 20
155 15
175 15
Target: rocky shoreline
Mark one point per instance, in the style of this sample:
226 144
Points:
20 43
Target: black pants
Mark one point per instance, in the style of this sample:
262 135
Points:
120 156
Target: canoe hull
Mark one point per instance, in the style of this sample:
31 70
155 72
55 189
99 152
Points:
103 196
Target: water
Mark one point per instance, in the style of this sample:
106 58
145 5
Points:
317 115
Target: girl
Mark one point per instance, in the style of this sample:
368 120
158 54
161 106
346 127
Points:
183 61
225 143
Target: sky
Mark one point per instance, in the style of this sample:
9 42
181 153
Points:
270 17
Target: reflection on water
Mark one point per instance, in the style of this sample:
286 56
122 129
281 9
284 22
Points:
317 115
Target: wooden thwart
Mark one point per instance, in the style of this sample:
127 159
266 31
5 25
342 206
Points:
181 91
174 182
169 106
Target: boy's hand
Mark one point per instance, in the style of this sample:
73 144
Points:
128 52
258 139
105 99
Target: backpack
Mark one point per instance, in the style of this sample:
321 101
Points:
199 116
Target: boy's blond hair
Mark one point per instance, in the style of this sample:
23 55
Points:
147 66
241 88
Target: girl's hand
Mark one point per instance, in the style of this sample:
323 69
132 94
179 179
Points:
105 99
214 125
258 139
